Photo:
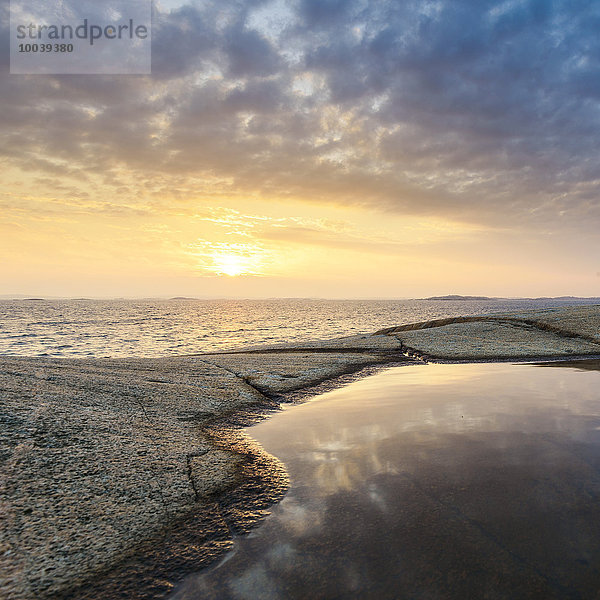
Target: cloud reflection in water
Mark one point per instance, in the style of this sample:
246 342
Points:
437 481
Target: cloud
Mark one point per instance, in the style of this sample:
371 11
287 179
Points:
281 233
480 111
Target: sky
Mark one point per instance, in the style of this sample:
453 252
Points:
314 148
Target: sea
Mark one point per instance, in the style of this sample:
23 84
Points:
85 328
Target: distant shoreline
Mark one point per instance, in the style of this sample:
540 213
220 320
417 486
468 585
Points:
591 299
458 297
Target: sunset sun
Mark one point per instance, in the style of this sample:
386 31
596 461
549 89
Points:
234 260
232 264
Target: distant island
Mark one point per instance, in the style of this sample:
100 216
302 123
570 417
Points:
557 298
457 297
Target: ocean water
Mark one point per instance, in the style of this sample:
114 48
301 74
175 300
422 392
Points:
136 328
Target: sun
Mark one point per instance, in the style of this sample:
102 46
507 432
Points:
231 259
232 264
241 259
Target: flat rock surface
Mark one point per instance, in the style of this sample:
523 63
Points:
276 373
558 332
96 455
100 456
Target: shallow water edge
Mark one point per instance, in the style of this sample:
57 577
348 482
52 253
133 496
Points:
448 481
205 536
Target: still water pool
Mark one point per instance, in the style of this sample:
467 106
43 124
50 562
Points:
430 481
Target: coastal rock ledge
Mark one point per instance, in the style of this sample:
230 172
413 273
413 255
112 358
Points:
105 464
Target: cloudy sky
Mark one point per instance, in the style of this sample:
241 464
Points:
335 148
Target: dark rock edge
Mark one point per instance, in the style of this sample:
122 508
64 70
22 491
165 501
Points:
153 568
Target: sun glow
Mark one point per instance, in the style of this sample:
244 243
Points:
231 259
233 264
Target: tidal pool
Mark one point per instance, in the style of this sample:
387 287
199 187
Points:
430 481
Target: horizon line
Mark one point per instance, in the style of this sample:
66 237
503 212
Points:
441 297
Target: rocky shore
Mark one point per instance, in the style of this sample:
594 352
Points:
121 475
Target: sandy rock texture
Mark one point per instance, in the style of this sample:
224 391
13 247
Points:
276 373
98 456
101 458
557 332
